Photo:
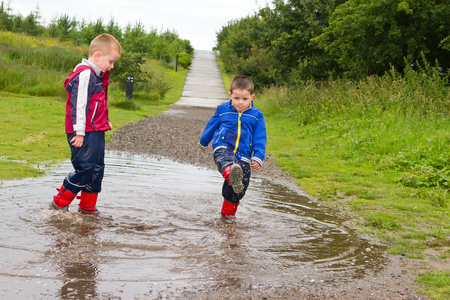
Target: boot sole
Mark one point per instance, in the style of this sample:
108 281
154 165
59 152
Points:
89 212
228 219
236 176
56 207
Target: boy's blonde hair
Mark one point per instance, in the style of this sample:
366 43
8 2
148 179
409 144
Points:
104 43
242 82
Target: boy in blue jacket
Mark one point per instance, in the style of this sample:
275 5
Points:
238 134
86 122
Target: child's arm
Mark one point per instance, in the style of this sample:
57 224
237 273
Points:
81 92
259 143
203 149
208 132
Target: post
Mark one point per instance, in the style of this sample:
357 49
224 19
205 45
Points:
129 90
176 64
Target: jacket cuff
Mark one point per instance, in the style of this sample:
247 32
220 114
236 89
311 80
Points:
202 147
257 160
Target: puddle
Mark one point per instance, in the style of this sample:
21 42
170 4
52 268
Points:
160 232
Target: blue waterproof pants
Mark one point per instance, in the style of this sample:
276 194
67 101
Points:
223 158
89 164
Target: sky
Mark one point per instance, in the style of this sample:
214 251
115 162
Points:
193 20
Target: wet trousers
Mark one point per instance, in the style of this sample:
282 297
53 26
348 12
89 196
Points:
223 158
89 164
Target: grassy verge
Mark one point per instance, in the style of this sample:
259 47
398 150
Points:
382 169
32 135
226 77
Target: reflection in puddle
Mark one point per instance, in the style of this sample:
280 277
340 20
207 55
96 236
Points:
159 232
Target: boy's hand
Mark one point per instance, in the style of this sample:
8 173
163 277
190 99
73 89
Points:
255 165
77 141
204 150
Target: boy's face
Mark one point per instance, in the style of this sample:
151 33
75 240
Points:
241 99
106 62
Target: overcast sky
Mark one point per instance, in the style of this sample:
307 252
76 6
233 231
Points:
194 20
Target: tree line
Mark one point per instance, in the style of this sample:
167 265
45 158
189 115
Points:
160 45
300 40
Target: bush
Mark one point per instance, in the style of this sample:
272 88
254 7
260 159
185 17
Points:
185 60
159 85
128 64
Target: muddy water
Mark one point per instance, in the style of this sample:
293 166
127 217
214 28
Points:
159 234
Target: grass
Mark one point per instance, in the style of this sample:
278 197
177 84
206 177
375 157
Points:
438 283
342 160
32 135
226 77
388 172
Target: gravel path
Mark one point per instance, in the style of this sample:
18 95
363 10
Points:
175 134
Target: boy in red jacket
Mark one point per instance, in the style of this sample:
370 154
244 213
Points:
86 123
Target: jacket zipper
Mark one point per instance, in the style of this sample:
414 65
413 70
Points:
239 132
93 116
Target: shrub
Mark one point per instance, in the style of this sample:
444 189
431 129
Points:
185 60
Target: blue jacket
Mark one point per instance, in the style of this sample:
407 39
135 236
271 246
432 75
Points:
243 133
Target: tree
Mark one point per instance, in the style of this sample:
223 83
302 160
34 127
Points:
187 47
30 25
276 44
293 24
6 22
17 23
114 29
371 36
64 26
135 38
98 28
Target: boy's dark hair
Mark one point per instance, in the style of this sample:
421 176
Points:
242 82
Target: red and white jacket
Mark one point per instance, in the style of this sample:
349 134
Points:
86 107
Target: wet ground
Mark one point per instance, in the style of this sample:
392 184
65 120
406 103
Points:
160 235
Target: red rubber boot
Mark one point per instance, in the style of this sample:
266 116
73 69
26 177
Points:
226 174
228 211
62 200
87 204
233 175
